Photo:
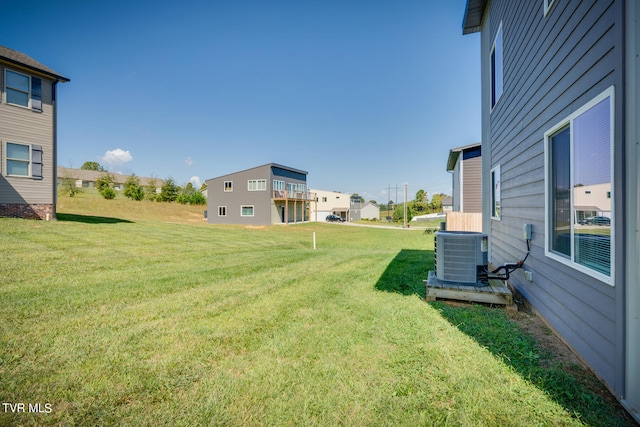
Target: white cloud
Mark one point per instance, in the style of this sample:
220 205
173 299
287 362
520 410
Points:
115 159
189 161
196 181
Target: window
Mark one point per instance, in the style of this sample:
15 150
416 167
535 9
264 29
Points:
246 210
228 186
578 154
324 199
23 160
497 68
222 211
257 185
20 89
278 185
496 211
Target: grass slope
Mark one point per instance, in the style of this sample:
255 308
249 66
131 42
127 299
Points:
135 314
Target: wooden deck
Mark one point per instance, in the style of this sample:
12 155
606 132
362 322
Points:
496 292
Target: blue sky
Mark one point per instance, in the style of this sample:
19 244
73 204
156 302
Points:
361 94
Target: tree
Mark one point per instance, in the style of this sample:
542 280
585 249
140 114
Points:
150 190
133 189
68 187
169 192
105 181
398 213
420 195
92 166
436 202
197 198
108 193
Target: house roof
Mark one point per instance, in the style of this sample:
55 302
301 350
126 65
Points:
447 201
261 166
473 13
88 175
18 58
454 154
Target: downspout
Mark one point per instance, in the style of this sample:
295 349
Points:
55 149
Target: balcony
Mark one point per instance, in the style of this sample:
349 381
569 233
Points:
293 195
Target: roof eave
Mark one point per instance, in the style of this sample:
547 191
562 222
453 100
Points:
473 13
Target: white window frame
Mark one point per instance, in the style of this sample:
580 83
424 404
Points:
222 211
7 160
492 75
257 185
278 185
6 86
569 261
547 6
496 193
228 188
247 206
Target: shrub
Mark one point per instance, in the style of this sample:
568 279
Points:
108 193
133 189
197 199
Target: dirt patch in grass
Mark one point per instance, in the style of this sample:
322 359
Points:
557 352
570 362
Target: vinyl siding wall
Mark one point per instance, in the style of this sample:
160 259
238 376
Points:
240 196
553 65
472 185
24 126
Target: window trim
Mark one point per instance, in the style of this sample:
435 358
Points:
496 193
247 206
7 160
568 122
222 211
548 4
228 188
6 87
492 73
257 183
34 91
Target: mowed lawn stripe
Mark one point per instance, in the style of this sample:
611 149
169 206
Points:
154 323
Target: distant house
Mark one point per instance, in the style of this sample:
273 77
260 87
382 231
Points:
560 132
28 140
88 178
466 165
264 195
370 211
331 203
447 204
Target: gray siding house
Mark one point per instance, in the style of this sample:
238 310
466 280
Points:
28 142
264 195
560 91
465 163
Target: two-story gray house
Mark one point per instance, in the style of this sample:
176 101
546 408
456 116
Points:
264 195
560 131
28 143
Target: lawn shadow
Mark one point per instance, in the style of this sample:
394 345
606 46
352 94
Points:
569 385
90 219
405 273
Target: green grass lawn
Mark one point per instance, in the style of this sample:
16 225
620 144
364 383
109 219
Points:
138 314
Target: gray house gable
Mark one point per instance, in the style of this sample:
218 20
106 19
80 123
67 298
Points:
465 163
549 74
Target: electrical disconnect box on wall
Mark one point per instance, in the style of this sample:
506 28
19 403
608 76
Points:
527 231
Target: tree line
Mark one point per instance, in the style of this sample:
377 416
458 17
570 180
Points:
169 191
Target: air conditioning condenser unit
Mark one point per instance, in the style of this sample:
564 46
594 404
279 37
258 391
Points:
461 257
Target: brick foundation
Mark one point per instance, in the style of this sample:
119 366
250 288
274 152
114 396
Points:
21 210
